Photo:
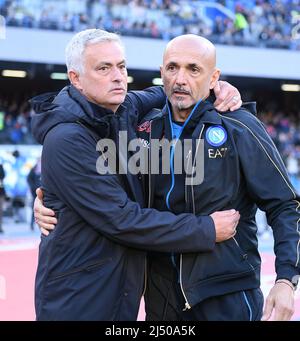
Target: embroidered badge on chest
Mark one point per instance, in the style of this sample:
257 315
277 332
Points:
216 136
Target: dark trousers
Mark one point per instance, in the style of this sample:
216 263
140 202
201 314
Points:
164 301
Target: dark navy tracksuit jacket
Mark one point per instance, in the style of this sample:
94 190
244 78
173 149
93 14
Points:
242 170
92 266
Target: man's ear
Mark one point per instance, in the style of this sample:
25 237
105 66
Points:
215 77
161 68
75 79
161 71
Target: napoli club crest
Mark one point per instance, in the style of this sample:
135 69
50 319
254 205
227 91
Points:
216 136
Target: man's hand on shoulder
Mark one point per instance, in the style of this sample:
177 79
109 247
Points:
227 97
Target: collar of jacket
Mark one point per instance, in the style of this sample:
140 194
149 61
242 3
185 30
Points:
70 106
96 116
205 112
91 109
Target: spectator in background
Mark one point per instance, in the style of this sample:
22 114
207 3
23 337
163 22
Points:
34 182
2 125
241 24
2 195
20 189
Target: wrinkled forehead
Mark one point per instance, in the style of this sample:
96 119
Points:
104 47
107 51
185 59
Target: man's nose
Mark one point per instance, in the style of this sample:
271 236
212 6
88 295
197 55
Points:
181 77
117 75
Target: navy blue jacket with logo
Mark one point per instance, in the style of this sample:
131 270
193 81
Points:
242 170
92 266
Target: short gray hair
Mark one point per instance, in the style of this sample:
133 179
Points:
76 46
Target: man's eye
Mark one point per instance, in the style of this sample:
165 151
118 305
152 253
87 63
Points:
171 68
103 68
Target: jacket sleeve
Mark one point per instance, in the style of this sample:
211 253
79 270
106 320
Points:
146 100
269 186
70 163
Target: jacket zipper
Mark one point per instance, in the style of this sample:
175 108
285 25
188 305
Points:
149 201
187 305
187 166
244 255
76 270
192 186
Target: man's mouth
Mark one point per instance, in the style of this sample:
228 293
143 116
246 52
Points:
181 92
120 90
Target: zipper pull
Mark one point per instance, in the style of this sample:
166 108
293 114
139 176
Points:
186 307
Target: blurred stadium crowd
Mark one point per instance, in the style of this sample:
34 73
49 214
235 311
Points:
265 23
283 126
15 117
